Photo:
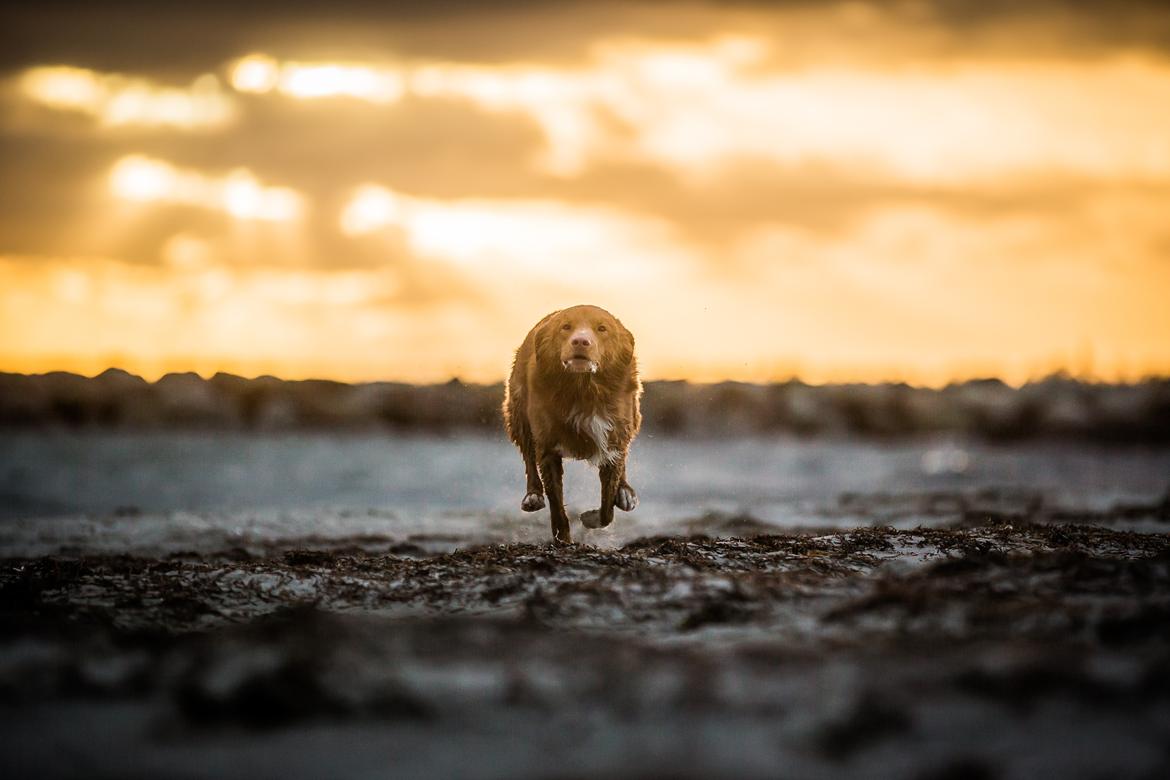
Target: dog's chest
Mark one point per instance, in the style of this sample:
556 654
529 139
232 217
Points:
588 437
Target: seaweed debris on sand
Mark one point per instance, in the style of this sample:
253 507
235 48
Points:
1002 649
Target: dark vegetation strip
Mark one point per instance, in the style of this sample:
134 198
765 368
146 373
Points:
1054 407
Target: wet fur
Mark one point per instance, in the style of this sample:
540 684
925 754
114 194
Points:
551 414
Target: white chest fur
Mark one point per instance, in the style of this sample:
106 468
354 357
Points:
597 427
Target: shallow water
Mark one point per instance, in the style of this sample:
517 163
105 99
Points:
92 488
60 473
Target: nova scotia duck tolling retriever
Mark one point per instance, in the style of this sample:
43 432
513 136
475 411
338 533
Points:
574 393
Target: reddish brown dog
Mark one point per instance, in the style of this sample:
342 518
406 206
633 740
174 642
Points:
574 392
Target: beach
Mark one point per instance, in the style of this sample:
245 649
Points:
920 609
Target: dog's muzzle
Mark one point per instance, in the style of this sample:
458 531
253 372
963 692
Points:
580 365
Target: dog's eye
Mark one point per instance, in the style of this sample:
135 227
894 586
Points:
601 329
566 326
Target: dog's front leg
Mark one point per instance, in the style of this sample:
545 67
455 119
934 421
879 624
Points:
534 497
626 498
611 477
552 472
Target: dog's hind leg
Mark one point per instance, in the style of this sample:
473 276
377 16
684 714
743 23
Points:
552 471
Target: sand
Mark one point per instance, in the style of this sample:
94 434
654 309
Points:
1009 644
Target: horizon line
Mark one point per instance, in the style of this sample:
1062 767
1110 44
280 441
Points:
1057 374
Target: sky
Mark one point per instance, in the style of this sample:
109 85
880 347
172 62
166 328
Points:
839 192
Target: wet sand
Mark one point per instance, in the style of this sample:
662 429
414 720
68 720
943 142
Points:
1015 643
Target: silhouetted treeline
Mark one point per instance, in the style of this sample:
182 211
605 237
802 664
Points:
1054 407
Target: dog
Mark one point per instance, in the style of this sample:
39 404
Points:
574 392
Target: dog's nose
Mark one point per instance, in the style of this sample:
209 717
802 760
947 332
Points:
582 338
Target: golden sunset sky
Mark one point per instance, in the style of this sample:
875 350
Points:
846 191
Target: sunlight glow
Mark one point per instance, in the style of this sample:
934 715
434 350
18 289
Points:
119 101
494 237
370 209
140 178
699 107
259 73
255 73
239 194
318 81
164 317
696 109
245 198
73 89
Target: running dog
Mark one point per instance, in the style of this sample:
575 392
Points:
574 392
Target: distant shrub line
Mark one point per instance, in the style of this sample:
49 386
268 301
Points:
1057 407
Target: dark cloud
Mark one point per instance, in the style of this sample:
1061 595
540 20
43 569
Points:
180 37
177 39
425 147
46 188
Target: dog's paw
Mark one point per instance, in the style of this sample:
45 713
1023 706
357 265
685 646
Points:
591 519
626 499
532 502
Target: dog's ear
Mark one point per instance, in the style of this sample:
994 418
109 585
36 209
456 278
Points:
542 337
625 351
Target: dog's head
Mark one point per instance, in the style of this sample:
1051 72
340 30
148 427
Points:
583 340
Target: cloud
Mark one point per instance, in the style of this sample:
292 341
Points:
555 243
119 101
239 193
257 73
697 108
